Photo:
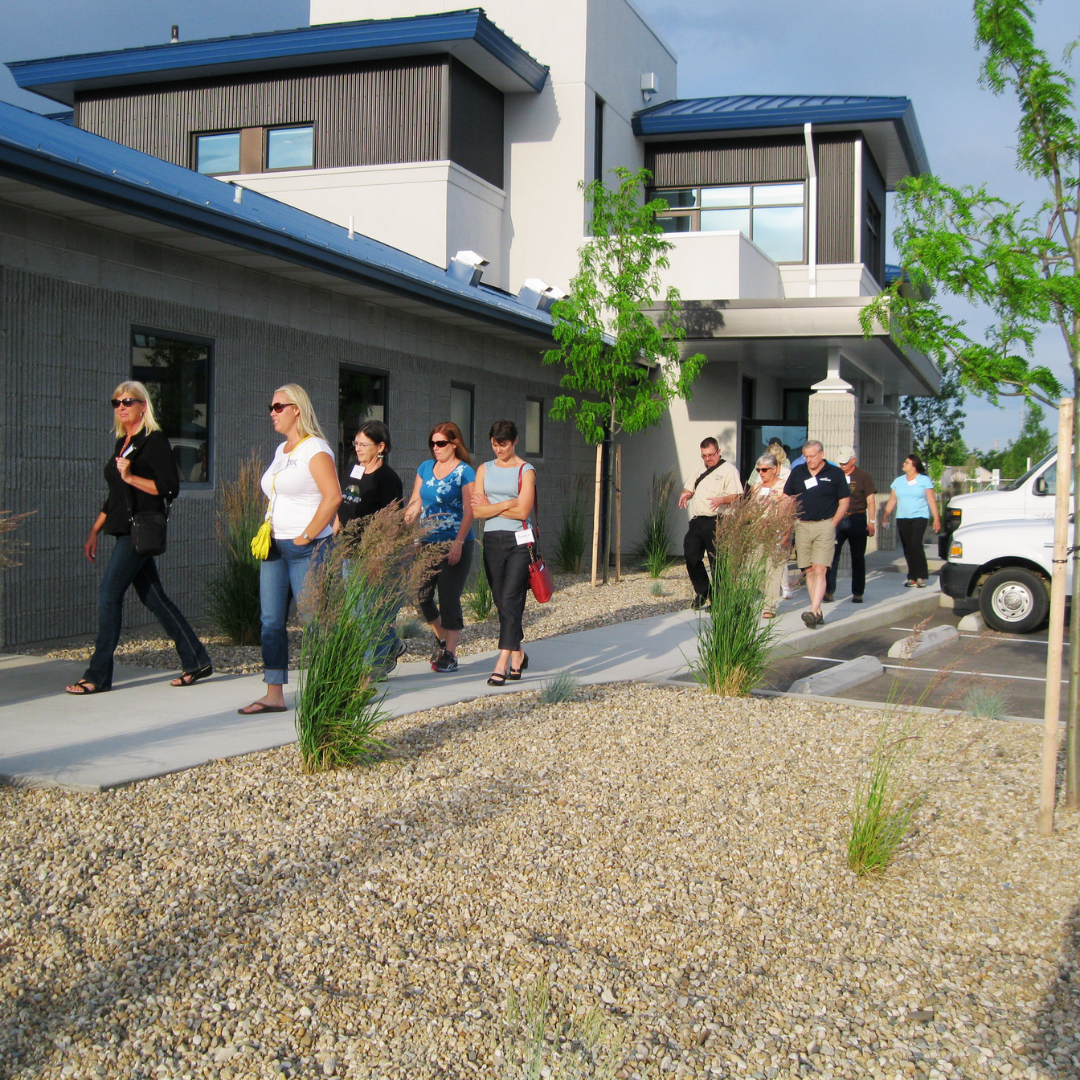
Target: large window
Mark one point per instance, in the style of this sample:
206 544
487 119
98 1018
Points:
176 371
534 427
290 148
461 411
772 215
362 396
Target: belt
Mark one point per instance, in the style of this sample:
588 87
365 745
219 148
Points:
855 513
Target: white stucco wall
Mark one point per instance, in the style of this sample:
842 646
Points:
720 266
429 209
837 279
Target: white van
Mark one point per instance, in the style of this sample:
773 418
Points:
1032 496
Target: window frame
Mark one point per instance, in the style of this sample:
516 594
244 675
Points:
539 401
266 147
470 389
694 213
197 135
211 351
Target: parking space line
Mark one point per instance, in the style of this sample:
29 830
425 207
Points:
999 637
950 671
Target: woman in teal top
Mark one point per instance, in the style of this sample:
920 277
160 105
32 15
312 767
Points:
503 498
912 497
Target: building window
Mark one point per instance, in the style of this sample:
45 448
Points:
873 247
534 427
598 138
290 147
218 153
176 371
461 411
362 396
772 215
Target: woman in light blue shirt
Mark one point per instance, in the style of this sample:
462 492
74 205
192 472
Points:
503 498
912 497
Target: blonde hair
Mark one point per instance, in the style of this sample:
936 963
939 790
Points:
306 422
135 390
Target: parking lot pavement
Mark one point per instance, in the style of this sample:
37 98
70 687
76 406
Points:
1011 664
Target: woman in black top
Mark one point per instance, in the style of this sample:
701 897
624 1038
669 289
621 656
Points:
141 475
366 487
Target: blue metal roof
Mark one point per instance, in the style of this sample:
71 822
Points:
469 35
51 155
741 112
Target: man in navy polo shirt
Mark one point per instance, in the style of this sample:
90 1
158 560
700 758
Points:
821 491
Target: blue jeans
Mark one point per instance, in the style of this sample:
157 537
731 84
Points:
125 569
282 576
388 645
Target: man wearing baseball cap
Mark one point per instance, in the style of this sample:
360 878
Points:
856 526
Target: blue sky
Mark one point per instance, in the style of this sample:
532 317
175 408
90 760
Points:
922 49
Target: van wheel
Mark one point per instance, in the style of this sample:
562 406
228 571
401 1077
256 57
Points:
1014 601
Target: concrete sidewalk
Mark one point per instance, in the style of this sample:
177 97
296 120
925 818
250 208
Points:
144 727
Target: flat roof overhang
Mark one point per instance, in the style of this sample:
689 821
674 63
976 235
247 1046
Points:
791 339
467 35
887 124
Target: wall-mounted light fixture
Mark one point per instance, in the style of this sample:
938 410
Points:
649 86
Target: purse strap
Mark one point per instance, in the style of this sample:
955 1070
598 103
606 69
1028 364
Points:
273 481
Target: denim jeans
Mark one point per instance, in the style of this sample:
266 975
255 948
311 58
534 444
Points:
282 577
388 646
125 569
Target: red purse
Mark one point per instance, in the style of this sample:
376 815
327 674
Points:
539 575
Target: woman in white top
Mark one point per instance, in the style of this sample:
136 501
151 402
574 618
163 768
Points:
304 494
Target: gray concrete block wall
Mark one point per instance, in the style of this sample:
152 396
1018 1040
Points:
70 294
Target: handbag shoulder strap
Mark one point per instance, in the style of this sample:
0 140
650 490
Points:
129 498
536 495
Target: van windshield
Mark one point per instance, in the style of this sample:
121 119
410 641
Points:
1030 473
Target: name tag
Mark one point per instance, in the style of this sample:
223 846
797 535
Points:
524 536
127 451
357 472
811 482
912 483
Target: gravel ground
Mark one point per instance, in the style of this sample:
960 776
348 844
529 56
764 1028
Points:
673 859
576 605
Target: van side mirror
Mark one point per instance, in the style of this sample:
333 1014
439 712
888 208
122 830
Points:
1040 485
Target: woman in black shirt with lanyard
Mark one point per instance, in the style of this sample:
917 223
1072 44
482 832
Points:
141 475
366 488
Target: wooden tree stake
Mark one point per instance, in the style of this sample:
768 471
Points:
596 511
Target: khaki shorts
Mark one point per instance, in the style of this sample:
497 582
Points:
815 542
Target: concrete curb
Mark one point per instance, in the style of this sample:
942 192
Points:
974 622
921 643
842 677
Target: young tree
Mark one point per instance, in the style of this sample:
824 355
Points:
623 368
937 423
1033 443
1025 268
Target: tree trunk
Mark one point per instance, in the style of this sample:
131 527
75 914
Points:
1072 730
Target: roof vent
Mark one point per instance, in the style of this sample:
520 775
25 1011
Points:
174 35
467 267
538 294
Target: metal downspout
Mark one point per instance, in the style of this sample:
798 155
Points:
811 226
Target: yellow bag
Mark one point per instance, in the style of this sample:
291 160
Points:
260 542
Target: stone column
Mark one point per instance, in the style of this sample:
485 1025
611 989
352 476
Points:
834 410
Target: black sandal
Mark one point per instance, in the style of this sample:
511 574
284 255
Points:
515 672
189 678
86 687
497 678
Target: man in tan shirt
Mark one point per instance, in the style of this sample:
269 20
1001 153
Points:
705 494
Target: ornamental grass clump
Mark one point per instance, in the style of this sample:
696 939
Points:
477 600
734 642
570 542
654 550
9 546
233 595
349 601
887 800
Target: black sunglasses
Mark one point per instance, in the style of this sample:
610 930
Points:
435 442
278 406
127 402
768 468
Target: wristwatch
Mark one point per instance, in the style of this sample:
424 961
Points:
305 536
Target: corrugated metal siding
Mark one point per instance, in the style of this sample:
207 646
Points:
730 161
835 167
476 124
364 114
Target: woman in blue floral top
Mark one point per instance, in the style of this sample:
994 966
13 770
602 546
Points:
442 494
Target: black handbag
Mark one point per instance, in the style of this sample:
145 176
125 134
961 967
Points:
149 528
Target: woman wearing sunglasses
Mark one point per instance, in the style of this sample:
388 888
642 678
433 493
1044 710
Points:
442 494
304 494
142 476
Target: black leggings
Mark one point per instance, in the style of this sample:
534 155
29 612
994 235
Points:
506 563
911 532
450 581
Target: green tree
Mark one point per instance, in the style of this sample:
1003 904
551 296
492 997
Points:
937 423
1023 267
1033 443
623 367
